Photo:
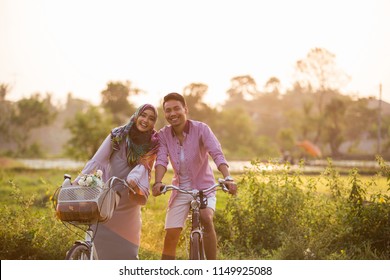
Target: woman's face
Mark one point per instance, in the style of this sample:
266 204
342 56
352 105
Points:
146 120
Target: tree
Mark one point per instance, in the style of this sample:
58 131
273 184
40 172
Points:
273 85
115 99
242 88
286 139
6 113
30 113
334 124
235 131
199 110
386 136
88 130
4 89
359 119
265 110
319 72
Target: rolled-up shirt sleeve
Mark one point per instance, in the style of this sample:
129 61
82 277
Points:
213 146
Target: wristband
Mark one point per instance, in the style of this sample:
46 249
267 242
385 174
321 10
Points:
229 178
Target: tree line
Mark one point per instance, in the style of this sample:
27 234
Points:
254 122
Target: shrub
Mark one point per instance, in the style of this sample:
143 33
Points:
31 233
278 215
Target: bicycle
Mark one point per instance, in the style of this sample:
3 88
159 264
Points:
86 206
199 200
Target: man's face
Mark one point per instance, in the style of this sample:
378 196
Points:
175 112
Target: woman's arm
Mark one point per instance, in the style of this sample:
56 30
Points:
99 161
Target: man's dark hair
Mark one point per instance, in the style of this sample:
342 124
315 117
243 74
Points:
174 96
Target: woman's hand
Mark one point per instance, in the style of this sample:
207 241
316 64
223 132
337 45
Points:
139 198
136 194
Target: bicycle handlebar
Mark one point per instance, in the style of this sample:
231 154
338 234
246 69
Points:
109 183
112 180
194 192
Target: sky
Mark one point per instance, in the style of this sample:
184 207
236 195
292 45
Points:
78 46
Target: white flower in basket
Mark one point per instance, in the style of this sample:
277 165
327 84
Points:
92 180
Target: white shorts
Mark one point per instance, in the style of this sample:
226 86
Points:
177 212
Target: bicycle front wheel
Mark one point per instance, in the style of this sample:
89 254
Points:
79 251
196 247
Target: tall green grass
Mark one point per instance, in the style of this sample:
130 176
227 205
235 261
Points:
276 215
284 216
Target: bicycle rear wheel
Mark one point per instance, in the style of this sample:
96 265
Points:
79 251
196 247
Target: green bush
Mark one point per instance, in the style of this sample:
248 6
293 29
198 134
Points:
278 215
28 232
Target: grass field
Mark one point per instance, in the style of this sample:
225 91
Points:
20 187
31 231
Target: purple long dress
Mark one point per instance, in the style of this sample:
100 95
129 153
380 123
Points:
119 238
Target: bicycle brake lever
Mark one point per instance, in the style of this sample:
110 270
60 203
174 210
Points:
224 188
133 191
127 185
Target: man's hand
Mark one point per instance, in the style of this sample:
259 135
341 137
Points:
232 187
156 189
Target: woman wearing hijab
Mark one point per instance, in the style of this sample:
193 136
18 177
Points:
127 153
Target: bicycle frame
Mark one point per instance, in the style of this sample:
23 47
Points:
196 235
89 242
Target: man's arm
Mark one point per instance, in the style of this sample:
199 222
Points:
158 176
223 168
160 167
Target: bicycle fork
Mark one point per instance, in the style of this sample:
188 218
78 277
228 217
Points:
197 227
89 243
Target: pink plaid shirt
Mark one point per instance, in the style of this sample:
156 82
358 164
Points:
199 142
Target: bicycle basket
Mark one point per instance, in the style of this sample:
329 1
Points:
85 205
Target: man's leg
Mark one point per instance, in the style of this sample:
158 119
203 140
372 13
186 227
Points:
210 237
170 242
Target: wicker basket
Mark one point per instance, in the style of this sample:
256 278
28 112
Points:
85 205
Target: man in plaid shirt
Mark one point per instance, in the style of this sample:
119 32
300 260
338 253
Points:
187 144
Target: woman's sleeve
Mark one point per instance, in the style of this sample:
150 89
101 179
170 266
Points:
139 179
100 160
